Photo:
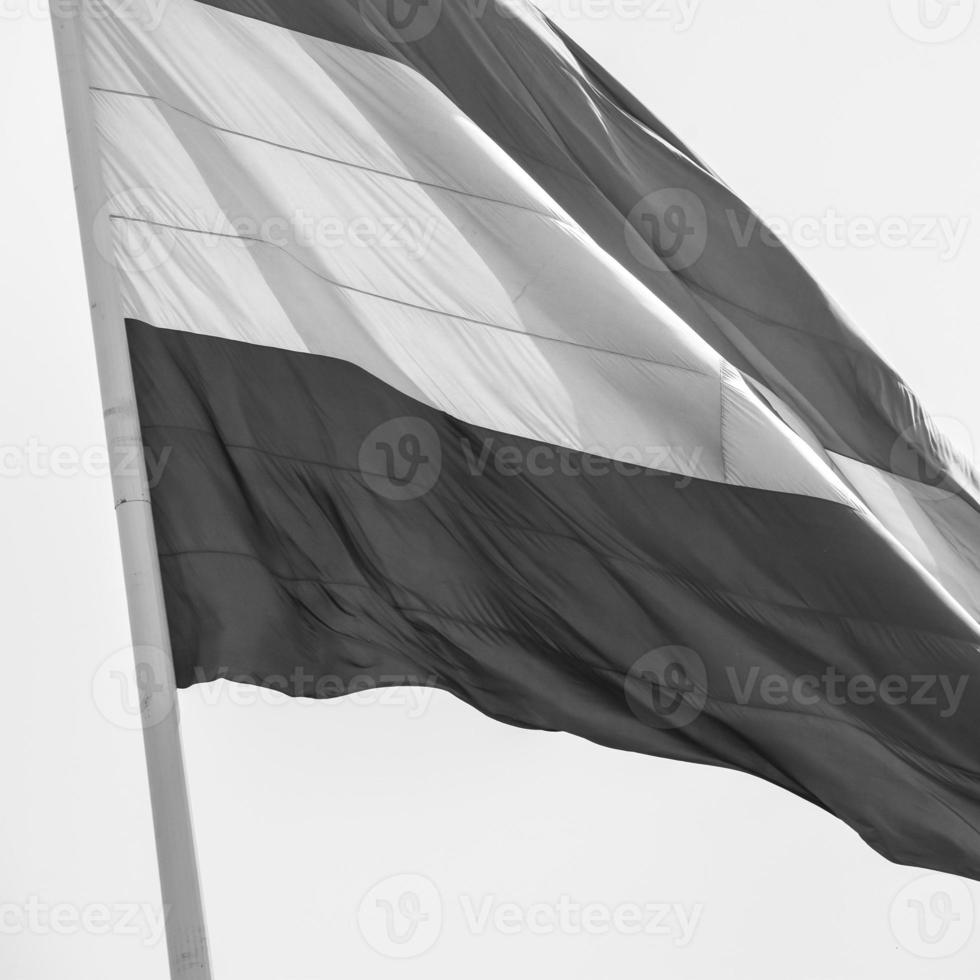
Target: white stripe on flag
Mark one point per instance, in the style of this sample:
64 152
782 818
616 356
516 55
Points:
506 315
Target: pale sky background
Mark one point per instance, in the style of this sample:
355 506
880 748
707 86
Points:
807 109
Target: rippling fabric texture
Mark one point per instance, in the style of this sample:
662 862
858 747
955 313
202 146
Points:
460 370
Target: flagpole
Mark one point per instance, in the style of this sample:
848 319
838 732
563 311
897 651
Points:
176 855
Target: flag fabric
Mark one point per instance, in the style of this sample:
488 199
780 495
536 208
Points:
455 367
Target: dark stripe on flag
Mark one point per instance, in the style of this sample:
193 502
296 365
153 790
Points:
318 528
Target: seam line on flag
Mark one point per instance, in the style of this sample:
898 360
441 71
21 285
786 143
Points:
417 306
328 159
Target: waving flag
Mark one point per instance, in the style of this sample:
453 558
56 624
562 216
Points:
455 367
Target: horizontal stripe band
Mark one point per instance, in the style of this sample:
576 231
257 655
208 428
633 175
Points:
314 522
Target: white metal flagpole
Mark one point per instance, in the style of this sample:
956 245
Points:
176 856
